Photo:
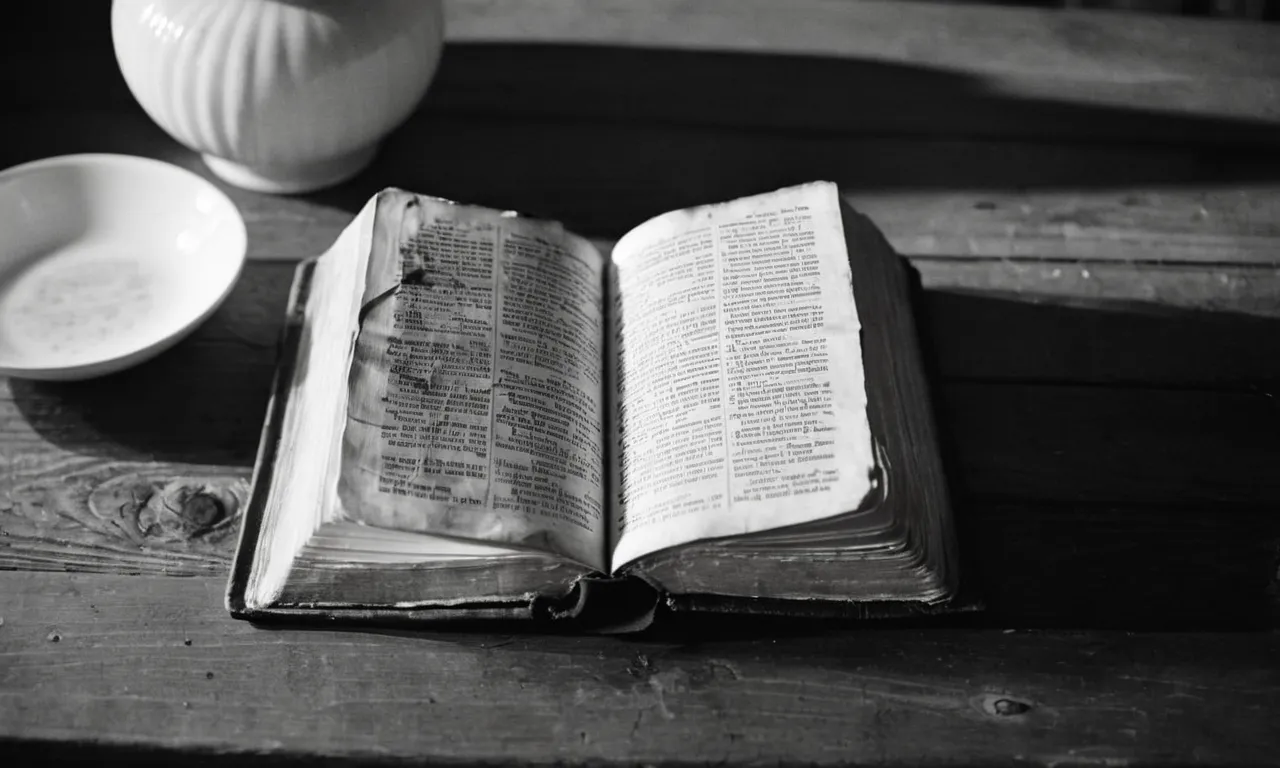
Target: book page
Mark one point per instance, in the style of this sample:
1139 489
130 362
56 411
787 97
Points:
476 382
741 398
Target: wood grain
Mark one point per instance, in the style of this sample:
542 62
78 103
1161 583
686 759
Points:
1001 199
156 662
143 471
1156 223
870 67
1001 43
1103 324
1245 292
730 90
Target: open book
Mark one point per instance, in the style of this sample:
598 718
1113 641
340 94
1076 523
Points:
484 415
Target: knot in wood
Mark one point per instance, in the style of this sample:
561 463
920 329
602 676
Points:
202 510
184 510
153 508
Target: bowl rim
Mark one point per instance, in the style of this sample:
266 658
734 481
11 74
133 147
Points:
141 352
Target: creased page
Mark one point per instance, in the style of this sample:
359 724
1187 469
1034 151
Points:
475 388
741 391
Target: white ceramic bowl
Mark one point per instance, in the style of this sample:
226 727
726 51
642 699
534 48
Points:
108 260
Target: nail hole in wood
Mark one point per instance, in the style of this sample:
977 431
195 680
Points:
1006 707
1003 706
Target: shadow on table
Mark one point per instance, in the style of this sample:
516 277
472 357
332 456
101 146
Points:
1112 461
602 138
201 402
821 95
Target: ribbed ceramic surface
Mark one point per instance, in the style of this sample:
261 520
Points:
277 82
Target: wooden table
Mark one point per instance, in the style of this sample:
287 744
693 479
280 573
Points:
1094 210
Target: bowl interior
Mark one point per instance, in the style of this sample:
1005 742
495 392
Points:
105 256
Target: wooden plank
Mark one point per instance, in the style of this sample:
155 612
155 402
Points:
869 66
102 516
991 380
1147 62
1033 563
796 93
1160 222
1123 486
156 662
1080 45
1013 348
601 180
1116 324
1000 199
1248 291
731 92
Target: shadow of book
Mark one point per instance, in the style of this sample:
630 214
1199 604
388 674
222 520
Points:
1112 459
